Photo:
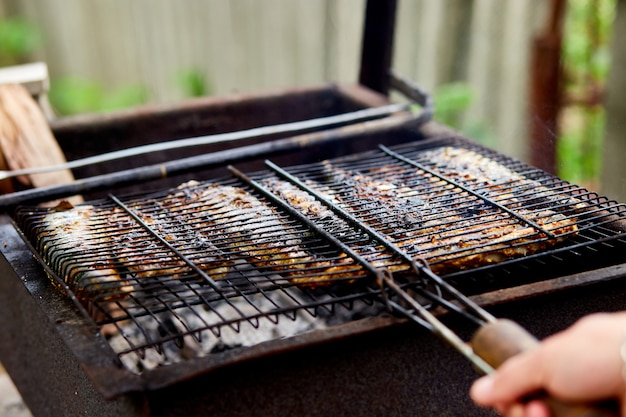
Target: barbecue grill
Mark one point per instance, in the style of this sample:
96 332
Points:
248 290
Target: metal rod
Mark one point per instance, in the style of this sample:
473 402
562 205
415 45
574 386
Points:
293 127
468 190
167 244
377 48
411 316
351 219
220 158
420 266
424 269
450 306
302 218
439 328
412 91
153 172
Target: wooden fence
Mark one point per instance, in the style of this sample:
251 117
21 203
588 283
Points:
247 45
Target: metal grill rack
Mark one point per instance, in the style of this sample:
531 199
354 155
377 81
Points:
173 275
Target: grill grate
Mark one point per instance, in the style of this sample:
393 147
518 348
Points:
480 218
207 266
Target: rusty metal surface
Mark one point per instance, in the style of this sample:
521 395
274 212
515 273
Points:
374 354
396 371
380 372
377 48
100 364
374 366
43 337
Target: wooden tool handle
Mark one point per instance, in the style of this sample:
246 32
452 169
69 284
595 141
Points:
498 341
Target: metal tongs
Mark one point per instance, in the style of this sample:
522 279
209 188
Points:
422 315
495 341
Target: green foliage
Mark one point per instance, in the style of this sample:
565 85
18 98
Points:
586 64
18 39
69 95
72 95
193 83
452 101
124 97
588 27
580 158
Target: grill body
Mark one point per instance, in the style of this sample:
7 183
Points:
375 366
378 366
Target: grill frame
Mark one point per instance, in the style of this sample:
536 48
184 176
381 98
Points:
374 161
370 348
387 355
122 383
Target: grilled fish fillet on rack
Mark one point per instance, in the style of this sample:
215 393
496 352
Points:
308 205
143 255
255 231
493 178
75 243
100 252
451 232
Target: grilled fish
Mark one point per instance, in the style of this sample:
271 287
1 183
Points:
75 243
494 179
103 252
255 231
427 217
376 254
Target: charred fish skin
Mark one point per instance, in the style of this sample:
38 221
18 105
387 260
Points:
449 228
102 253
493 178
145 256
375 253
66 236
270 240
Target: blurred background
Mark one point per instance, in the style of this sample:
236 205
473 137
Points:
480 59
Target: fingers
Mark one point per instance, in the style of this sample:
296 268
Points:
536 409
532 409
482 392
516 378
581 363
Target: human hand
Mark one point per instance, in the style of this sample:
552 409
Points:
581 364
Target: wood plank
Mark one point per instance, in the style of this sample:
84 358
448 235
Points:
26 139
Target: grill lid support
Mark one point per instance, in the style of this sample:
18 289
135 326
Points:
377 48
